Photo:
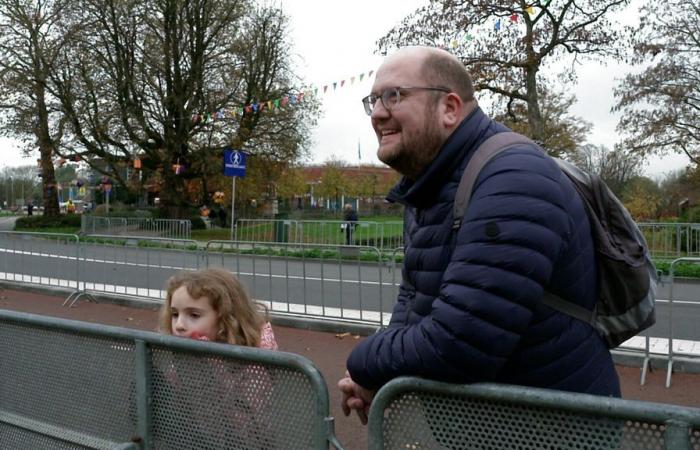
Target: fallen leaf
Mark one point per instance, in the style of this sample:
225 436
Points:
342 335
129 319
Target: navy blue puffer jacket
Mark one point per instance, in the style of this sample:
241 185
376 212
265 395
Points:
470 311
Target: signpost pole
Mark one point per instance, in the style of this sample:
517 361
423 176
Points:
234 166
233 206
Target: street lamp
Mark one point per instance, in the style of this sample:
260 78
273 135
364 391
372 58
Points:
312 199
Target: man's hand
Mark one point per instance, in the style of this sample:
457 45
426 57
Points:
355 397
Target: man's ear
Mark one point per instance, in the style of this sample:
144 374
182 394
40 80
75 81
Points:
452 110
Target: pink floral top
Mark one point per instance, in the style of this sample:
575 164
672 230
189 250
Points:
267 337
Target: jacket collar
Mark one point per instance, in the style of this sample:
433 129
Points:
451 156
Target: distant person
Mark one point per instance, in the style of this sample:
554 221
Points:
350 218
470 307
222 216
70 207
30 208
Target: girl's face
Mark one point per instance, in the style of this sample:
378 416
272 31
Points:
193 318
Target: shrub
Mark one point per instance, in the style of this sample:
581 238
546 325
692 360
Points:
197 223
38 222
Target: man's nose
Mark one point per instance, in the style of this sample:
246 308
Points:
379 110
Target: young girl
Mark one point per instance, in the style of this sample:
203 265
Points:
211 402
211 304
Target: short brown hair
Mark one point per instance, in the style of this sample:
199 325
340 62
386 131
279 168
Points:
240 318
445 70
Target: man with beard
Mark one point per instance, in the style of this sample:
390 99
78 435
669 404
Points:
470 305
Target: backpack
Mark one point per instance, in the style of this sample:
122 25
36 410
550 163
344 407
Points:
627 277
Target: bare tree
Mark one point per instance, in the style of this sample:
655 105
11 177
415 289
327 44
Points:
616 167
164 81
32 35
660 105
507 45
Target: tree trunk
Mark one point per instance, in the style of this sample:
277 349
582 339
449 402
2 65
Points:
49 188
533 106
172 195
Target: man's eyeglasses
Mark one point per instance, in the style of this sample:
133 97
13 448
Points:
392 96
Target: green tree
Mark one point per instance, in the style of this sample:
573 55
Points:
507 45
642 198
660 104
334 184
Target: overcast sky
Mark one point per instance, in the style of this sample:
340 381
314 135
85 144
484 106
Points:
335 41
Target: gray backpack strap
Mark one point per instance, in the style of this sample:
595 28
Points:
570 309
482 155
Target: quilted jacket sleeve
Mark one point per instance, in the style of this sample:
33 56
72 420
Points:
515 229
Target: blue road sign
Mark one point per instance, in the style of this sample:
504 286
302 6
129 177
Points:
234 163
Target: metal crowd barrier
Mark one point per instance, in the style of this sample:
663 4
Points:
135 266
46 259
75 385
135 226
674 353
412 413
319 281
671 240
382 235
316 281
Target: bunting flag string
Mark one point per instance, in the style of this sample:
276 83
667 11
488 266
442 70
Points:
498 24
277 103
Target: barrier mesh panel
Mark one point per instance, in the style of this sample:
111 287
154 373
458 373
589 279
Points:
218 403
19 438
80 384
430 421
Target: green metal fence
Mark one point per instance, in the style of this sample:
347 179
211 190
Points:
73 385
412 413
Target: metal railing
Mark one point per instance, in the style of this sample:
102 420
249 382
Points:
330 282
136 266
135 226
665 240
45 259
674 351
414 413
333 282
75 385
671 240
382 235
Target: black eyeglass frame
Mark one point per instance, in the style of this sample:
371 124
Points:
371 100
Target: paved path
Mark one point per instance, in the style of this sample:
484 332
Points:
328 352
7 223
